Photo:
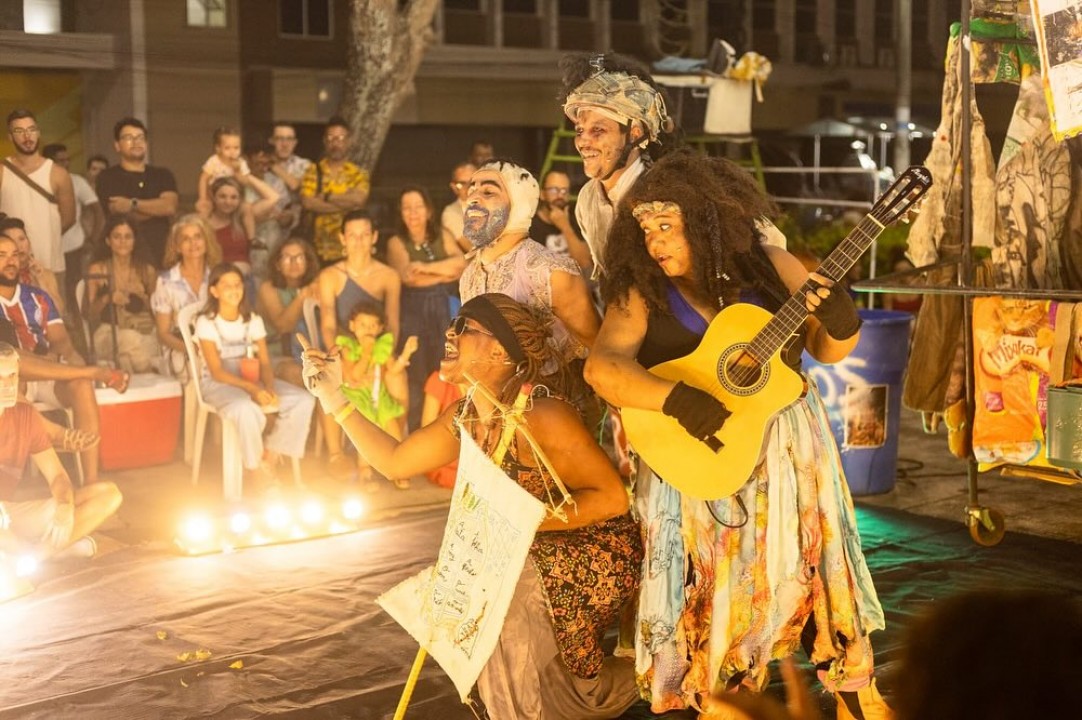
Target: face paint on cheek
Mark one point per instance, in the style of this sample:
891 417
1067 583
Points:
480 234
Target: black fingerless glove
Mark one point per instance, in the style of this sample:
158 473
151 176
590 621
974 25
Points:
698 412
838 314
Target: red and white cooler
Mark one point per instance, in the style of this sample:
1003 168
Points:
141 426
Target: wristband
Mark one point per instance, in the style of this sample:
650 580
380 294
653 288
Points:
343 412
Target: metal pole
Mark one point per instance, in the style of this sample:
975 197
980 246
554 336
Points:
965 267
903 66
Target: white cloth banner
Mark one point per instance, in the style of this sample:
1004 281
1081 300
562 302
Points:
455 609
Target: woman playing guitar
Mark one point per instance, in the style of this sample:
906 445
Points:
778 563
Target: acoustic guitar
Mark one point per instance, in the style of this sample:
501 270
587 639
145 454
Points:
738 363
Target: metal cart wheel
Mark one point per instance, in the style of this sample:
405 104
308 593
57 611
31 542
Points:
986 525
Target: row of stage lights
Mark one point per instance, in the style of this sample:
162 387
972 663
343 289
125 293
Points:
277 521
282 520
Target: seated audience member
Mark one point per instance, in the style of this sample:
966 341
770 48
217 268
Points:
31 272
57 525
357 276
36 368
190 252
292 271
239 382
581 568
119 286
440 395
947 671
39 330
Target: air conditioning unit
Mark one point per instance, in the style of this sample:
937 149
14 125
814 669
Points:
884 57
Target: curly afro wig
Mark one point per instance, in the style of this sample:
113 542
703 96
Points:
720 204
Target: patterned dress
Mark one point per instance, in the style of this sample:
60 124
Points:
732 584
582 577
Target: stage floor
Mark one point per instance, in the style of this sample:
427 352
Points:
145 633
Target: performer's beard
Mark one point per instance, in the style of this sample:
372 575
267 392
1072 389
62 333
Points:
483 230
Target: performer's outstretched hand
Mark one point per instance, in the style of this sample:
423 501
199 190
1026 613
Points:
322 373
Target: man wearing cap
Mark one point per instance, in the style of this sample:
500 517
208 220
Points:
500 207
621 126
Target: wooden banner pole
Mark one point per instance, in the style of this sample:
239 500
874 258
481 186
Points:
411 682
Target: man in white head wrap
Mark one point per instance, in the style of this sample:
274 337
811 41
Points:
499 209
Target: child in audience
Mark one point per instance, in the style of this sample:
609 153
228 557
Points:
227 161
239 381
374 380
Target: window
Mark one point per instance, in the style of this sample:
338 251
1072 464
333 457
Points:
467 5
627 10
574 8
845 19
207 13
523 7
305 18
41 16
884 21
762 16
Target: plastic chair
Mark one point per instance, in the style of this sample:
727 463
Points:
232 467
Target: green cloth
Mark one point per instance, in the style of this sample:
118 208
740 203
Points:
387 408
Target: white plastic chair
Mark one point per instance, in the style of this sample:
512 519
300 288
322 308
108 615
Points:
232 467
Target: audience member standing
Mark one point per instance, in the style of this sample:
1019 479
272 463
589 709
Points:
480 152
554 225
286 165
331 188
37 190
147 193
94 165
453 212
89 219
429 263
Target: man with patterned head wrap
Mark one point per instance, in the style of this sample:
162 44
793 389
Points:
621 126
620 122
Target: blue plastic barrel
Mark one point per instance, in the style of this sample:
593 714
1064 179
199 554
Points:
863 399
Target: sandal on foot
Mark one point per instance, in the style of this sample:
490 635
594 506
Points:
74 440
401 483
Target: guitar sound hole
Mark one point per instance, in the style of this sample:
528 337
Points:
744 374
740 373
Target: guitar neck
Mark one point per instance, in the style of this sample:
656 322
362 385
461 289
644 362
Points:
793 313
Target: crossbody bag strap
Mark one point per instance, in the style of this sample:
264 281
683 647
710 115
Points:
26 179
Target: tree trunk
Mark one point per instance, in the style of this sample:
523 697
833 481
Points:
386 45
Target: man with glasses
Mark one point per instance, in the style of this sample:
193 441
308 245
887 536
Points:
147 194
554 225
286 165
451 218
330 189
37 190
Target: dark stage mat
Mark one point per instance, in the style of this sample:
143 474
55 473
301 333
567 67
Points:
312 643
